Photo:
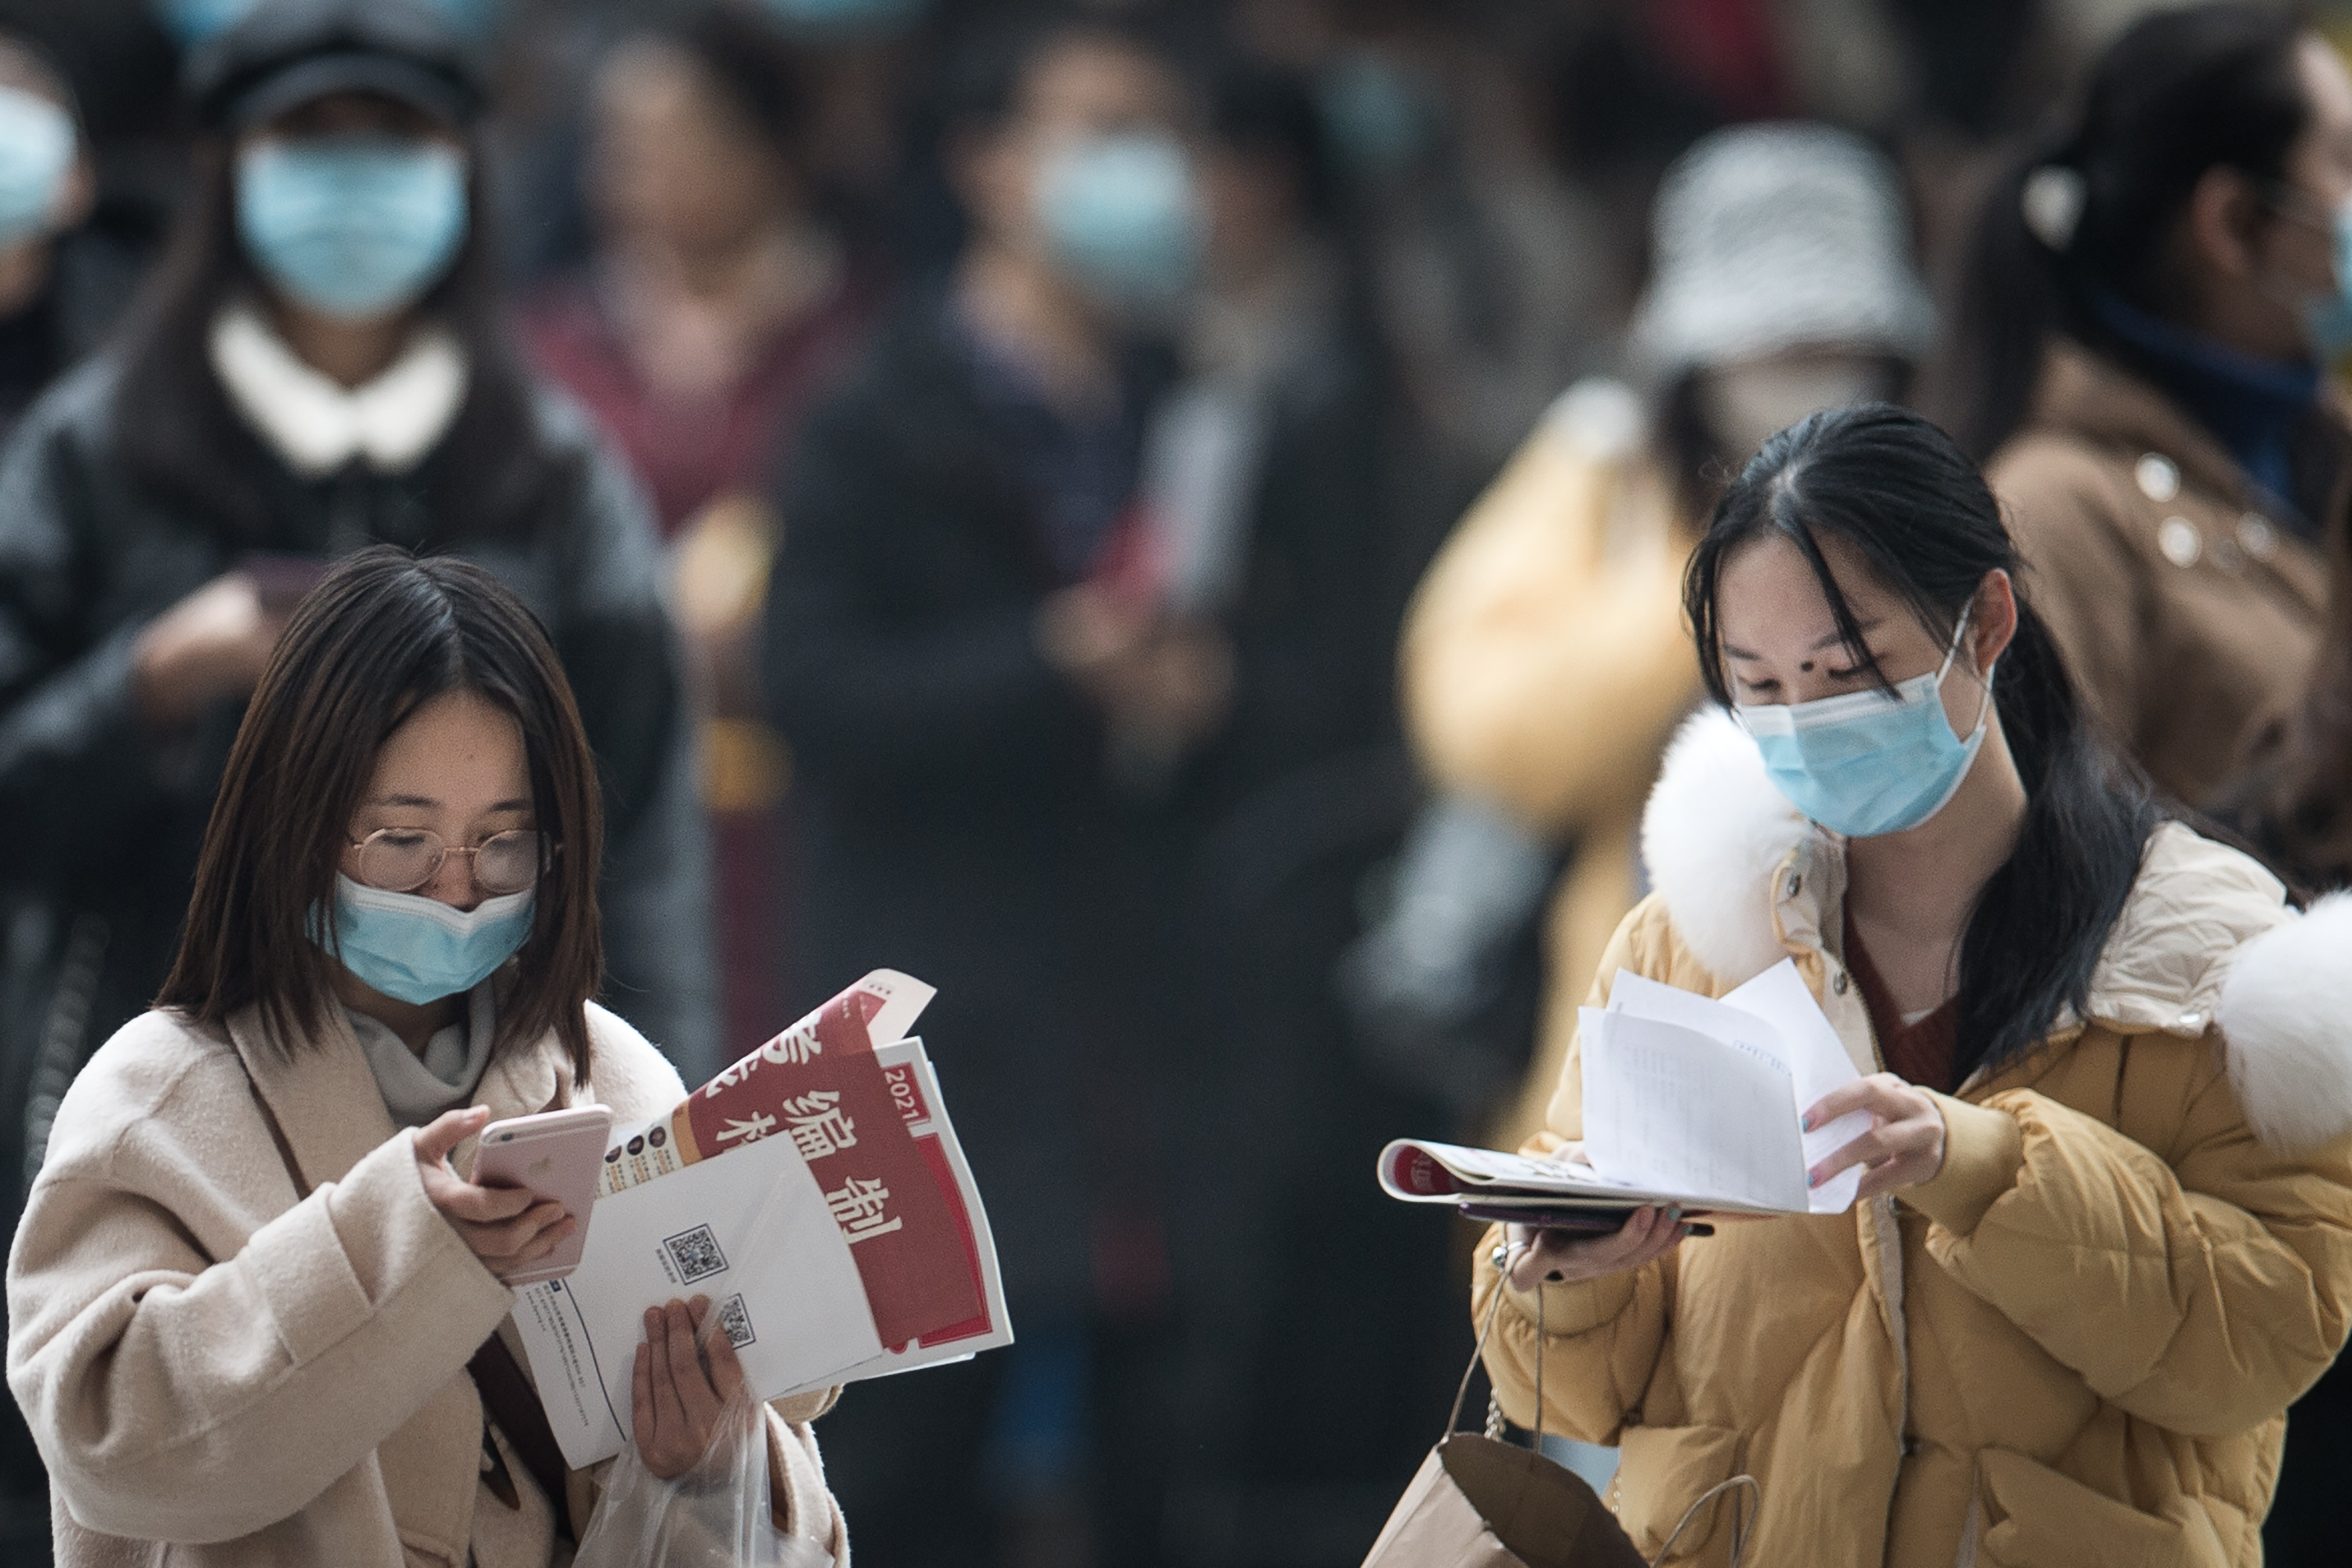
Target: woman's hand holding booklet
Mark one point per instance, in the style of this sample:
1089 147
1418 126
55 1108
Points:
1690 1104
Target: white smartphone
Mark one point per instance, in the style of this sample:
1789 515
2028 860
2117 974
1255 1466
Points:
555 1156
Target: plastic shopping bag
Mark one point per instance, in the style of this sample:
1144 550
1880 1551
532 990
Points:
717 1515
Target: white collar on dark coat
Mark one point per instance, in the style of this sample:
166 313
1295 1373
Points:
2206 937
316 424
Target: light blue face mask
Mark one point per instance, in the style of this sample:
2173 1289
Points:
192 22
858 18
355 226
418 949
1122 216
1377 113
2328 318
37 151
1865 763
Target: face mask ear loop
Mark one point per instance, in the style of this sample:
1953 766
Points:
1984 710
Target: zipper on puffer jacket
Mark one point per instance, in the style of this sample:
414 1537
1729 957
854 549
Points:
1889 1234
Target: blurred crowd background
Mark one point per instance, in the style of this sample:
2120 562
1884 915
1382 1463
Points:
1033 426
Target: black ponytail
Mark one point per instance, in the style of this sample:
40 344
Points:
1896 490
2178 94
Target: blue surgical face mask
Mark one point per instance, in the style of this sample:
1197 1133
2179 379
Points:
2328 318
475 18
847 17
418 949
354 226
192 22
1378 114
1865 763
36 152
1122 216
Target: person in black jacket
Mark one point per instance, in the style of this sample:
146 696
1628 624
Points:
984 694
317 367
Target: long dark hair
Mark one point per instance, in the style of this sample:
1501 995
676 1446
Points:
2180 93
178 434
1895 489
385 632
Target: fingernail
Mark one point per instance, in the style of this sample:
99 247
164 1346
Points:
1686 1229
1806 1122
1812 1178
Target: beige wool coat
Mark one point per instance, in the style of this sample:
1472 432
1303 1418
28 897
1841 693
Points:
2075 1346
221 1373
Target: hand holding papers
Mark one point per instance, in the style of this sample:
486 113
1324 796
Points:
1688 1100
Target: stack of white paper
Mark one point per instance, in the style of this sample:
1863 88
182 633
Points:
1688 1100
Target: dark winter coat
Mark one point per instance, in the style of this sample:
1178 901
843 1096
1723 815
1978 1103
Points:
959 814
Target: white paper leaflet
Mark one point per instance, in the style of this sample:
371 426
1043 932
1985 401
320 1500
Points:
1687 1099
751 1233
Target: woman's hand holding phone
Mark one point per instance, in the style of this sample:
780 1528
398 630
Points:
506 1227
1557 1256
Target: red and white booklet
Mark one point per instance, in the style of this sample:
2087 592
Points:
814 1191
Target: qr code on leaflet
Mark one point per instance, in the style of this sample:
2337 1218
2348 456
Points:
736 1322
696 1253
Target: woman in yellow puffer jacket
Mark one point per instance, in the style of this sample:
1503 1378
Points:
2104 1231
1543 666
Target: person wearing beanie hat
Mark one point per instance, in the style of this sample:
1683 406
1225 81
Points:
1544 661
318 365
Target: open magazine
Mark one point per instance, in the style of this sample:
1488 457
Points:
814 1191
1688 1100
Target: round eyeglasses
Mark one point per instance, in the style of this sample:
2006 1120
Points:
402 859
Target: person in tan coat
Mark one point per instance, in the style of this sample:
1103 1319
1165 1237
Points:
255 1313
2147 309
2104 1234
1544 664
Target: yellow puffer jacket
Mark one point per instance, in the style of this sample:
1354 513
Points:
2074 1347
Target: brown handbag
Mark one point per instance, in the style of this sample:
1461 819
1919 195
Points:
1479 1502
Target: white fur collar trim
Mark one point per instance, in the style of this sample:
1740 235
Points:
1713 834
2206 940
2287 1012
317 424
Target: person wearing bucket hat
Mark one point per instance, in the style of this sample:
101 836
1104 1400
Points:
1543 662
319 364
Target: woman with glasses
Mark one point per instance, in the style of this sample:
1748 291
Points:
254 1309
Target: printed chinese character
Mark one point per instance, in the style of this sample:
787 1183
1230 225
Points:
857 1208
793 1047
733 1075
818 1127
750 1129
